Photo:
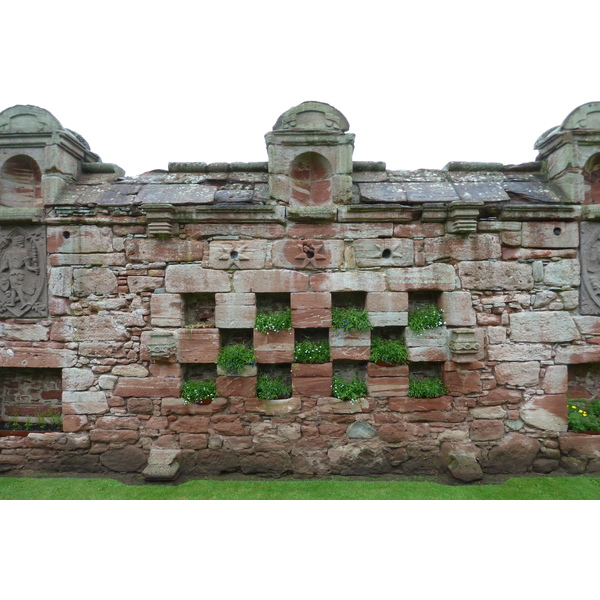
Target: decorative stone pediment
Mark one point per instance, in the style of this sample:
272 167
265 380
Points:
312 116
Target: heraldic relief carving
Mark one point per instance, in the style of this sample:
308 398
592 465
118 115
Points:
23 272
589 295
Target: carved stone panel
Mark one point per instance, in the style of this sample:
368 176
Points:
384 253
589 298
23 271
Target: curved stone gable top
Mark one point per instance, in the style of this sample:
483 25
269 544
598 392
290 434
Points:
312 116
586 116
28 119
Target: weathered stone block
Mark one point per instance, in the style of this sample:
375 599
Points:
426 354
495 275
434 277
84 403
550 235
198 345
387 386
157 250
235 311
519 352
311 386
93 281
514 454
555 380
312 370
77 379
237 254
190 279
90 328
60 282
228 387
483 246
274 347
486 430
270 281
384 253
437 337
574 355
348 281
546 412
463 382
458 309
308 254
37 358
525 374
129 459
143 283
78 239
543 326
562 273
148 387
394 302
190 424
166 310
24 332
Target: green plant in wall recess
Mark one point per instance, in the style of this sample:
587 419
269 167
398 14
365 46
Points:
307 351
425 317
195 391
348 390
429 387
272 388
233 358
391 352
350 319
584 415
274 321
55 418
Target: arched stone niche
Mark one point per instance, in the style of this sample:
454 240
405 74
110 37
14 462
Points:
311 179
20 183
310 156
591 175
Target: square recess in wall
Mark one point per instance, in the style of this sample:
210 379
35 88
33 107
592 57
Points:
199 309
30 396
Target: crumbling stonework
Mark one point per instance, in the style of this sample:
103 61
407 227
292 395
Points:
122 288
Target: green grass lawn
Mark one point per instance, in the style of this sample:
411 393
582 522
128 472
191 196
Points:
517 488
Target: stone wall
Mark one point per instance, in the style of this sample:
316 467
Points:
122 288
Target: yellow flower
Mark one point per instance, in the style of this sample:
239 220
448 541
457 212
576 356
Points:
580 411
573 407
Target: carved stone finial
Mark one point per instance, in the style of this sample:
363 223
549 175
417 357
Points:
312 116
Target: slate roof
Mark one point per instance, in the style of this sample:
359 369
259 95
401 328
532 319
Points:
247 183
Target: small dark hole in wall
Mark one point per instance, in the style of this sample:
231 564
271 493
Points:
557 231
309 253
233 254
66 234
386 253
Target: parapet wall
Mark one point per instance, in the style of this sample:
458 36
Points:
123 288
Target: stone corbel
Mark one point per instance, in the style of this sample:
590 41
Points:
162 346
161 219
464 345
462 217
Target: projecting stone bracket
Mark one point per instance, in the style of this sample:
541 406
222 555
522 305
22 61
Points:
161 219
462 217
464 345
